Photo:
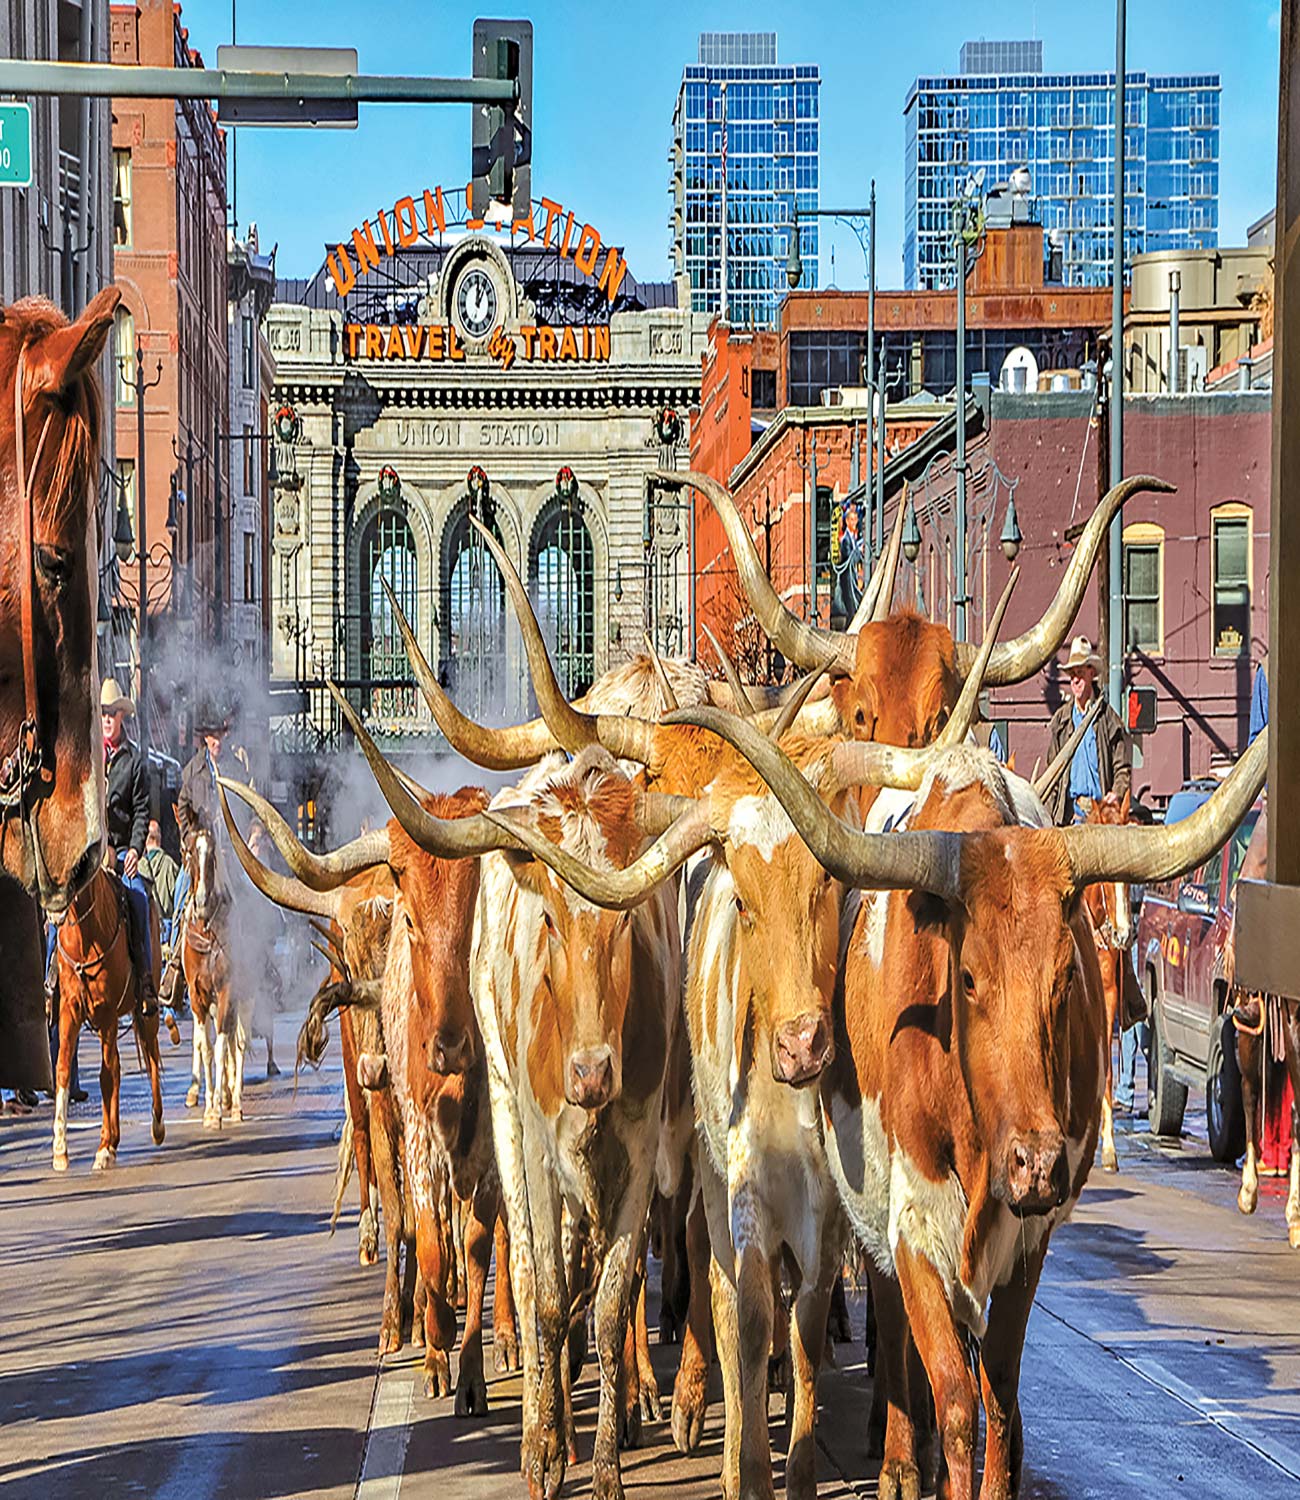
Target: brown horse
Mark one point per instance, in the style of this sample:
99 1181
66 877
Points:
1112 928
98 985
1265 1024
220 1034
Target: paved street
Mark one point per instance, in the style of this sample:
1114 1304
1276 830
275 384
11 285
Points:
187 1327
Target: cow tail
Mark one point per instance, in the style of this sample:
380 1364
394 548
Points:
343 1171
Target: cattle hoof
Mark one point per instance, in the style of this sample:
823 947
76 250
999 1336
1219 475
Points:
368 1253
670 1326
606 1482
652 1407
1247 1199
192 1097
60 1162
690 1402
417 1333
437 1374
546 1465
505 1351
629 1427
900 1479
237 1115
105 1158
159 1132
1109 1161
211 1120
390 1337
272 1070
1293 1236
471 1396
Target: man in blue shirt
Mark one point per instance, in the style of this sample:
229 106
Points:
1103 762
1258 702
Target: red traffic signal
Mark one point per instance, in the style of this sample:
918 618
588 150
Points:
1141 710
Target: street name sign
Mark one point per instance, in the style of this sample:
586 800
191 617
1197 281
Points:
15 145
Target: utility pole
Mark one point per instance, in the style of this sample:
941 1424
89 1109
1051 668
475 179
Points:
218 540
140 385
1103 484
876 524
1115 636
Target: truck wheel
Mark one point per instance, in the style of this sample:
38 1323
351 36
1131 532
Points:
1225 1115
1167 1097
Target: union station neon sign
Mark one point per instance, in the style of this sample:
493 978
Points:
421 341
403 224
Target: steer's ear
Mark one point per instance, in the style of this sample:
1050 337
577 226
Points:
929 913
529 873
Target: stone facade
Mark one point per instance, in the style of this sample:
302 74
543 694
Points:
427 402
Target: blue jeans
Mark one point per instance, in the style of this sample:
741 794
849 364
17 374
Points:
1130 1041
137 893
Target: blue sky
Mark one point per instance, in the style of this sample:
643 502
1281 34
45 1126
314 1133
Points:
605 78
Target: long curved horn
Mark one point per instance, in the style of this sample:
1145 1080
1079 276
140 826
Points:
878 601
319 872
1138 855
744 704
1043 784
496 749
627 738
891 861
1017 659
665 687
793 705
801 643
291 894
615 889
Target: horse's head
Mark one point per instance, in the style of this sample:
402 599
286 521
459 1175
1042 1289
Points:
204 866
53 826
1109 901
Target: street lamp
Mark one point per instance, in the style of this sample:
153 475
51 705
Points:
123 535
911 533
968 245
1011 537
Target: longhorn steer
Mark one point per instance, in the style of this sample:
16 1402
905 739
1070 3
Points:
962 1109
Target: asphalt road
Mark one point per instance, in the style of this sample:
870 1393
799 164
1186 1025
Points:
186 1327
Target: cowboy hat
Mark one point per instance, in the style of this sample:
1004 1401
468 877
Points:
1082 655
112 700
211 718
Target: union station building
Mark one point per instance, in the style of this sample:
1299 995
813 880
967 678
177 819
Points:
435 368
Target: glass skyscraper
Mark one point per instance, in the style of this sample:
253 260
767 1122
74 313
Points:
770 148
1001 111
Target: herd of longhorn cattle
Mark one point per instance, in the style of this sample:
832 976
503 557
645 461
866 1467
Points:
781 975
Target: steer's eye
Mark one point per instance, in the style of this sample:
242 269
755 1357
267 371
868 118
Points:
410 926
859 716
549 920
740 905
55 565
968 981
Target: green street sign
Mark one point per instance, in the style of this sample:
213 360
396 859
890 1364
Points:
15 145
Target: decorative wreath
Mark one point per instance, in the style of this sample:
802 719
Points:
390 483
286 424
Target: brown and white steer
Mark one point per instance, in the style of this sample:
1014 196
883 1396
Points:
962 1106
435 1064
576 1007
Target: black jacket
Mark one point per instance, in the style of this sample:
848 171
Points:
197 802
127 798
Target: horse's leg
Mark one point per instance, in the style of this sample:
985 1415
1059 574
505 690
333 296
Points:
1291 1019
69 1031
110 1081
1250 1064
1110 997
147 1031
236 1055
196 1066
211 1073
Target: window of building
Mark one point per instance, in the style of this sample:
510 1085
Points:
250 461
124 355
765 390
1144 560
1230 545
121 198
387 556
250 568
249 350
562 576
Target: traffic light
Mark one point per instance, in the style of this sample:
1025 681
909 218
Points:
503 134
1141 710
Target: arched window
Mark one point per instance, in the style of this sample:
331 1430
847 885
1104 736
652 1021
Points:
387 555
561 577
124 356
473 619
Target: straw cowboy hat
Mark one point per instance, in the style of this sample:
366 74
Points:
112 700
1082 655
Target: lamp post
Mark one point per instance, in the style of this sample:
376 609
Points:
140 385
967 240
854 218
1115 652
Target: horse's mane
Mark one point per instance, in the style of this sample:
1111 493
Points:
67 468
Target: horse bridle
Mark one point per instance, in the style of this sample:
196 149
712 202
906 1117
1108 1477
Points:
24 769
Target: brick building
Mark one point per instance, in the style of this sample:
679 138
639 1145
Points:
169 233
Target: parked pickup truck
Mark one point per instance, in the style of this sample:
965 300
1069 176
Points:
1181 935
